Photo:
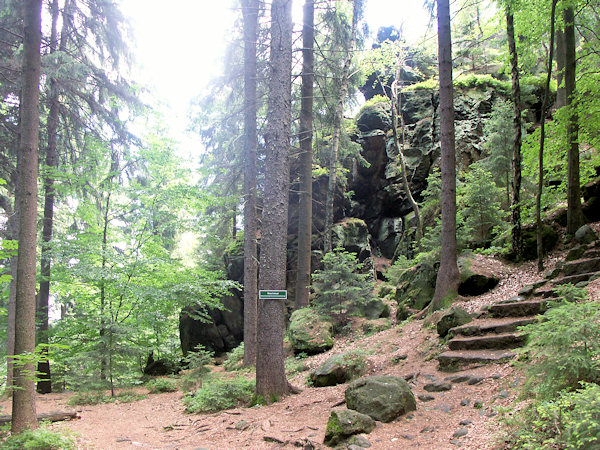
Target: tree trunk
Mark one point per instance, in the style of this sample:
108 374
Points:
575 217
446 284
561 98
306 157
44 384
515 206
397 111
270 370
23 402
250 10
337 130
545 101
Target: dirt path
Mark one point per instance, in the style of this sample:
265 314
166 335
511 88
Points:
472 410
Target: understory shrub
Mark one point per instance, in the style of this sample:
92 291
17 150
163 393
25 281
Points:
197 367
340 286
570 421
217 394
235 359
98 397
160 385
39 439
563 349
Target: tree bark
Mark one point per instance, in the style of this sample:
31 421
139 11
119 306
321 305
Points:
250 10
270 370
23 402
397 111
44 385
515 206
575 217
545 101
306 157
446 284
337 130
561 98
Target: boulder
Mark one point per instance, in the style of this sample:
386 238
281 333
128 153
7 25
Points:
344 423
416 286
475 277
309 333
338 369
353 236
585 235
376 116
549 240
455 317
372 309
382 397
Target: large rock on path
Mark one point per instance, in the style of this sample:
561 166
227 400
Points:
382 397
344 423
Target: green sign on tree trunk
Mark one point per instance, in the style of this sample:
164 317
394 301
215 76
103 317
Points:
272 295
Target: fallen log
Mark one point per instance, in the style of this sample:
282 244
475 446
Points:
52 416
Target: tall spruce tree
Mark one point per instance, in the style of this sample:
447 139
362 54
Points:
270 369
306 158
448 277
23 402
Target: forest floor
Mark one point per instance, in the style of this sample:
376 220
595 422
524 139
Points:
160 422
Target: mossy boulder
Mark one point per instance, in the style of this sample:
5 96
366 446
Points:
381 397
338 369
375 116
344 423
309 333
585 235
549 240
475 277
416 286
452 318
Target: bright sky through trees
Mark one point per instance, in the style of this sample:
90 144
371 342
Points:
179 45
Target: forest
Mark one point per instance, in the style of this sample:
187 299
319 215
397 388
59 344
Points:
364 214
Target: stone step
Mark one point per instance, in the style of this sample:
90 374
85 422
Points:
454 359
483 326
518 309
581 266
488 342
546 292
592 253
574 279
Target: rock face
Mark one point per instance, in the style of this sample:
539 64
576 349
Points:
382 398
549 240
338 369
309 333
416 286
344 423
222 333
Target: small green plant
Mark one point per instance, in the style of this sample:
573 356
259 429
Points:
340 288
294 365
160 385
235 359
197 363
571 293
218 394
39 439
572 421
97 398
563 349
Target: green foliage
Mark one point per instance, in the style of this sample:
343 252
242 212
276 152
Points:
340 286
39 439
397 269
99 397
218 394
161 385
478 206
571 420
563 349
235 359
571 293
481 81
197 367
294 365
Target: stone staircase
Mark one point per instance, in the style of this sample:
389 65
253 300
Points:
494 336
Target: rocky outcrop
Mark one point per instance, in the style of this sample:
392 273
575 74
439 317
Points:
475 277
218 330
416 287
